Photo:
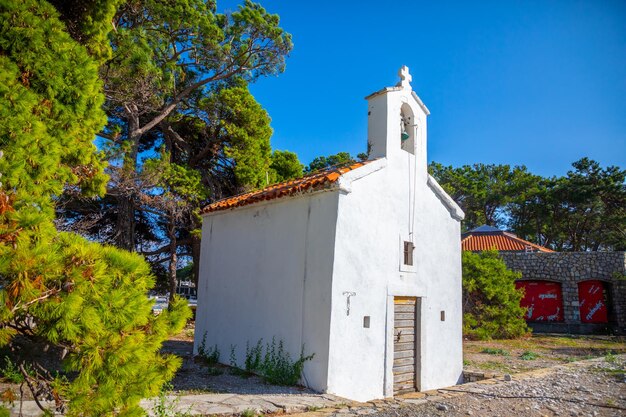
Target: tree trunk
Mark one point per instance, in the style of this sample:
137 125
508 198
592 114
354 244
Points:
171 231
125 225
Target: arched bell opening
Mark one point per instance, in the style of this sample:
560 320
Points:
407 129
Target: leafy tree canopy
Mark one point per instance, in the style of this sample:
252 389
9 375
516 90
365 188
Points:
285 166
177 94
61 295
583 210
325 162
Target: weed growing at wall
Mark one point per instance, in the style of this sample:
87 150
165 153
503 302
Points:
210 356
276 366
253 356
234 368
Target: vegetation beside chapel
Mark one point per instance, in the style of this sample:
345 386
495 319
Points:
491 303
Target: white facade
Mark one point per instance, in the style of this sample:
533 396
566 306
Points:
284 268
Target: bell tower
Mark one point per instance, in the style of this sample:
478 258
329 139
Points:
396 126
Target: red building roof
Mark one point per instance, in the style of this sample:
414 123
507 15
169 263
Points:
315 181
487 238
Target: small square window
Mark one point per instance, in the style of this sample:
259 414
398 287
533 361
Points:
408 253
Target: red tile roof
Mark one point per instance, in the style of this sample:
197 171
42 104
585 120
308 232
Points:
312 182
500 241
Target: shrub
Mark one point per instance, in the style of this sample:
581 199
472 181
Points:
491 303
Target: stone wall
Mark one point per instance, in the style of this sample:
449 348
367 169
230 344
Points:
570 268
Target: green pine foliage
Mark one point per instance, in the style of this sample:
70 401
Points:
59 291
325 162
247 128
581 211
491 303
285 166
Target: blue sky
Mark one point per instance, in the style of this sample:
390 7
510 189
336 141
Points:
535 83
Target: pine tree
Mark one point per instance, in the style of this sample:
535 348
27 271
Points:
60 293
491 303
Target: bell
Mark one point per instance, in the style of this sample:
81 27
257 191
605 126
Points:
403 135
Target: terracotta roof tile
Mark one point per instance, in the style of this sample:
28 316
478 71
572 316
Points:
312 182
500 241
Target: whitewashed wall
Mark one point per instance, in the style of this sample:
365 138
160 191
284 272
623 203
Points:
265 271
375 217
281 268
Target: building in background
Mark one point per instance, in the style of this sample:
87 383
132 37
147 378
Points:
567 292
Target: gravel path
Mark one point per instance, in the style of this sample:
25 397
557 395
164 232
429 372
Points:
590 388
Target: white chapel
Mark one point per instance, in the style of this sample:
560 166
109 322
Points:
359 264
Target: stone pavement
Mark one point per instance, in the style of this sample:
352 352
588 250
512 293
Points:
221 404
229 404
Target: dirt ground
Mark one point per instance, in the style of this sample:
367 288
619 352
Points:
538 351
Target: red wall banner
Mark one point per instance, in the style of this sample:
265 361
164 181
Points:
592 299
542 299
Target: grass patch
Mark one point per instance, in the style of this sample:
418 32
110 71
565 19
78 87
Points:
495 351
528 355
611 358
493 366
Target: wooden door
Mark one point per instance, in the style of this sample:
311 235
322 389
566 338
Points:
543 300
592 297
404 344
